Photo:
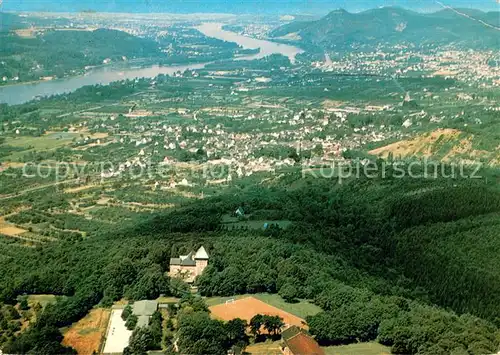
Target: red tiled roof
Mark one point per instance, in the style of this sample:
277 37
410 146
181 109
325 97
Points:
303 344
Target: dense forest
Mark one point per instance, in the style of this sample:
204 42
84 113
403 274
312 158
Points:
378 256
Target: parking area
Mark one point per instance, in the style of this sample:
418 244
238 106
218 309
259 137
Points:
117 335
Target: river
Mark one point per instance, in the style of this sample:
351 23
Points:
21 93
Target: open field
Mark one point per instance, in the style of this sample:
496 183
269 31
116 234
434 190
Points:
246 308
48 141
9 229
300 309
42 299
265 348
85 335
166 300
371 348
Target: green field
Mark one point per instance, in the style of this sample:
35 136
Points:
301 309
46 142
42 299
358 349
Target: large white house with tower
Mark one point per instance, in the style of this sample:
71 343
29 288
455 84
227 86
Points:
189 266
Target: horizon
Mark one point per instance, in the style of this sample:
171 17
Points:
277 7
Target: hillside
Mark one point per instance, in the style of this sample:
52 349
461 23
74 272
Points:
386 260
10 22
57 53
447 145
341 29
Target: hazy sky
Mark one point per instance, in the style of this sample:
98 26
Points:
235 6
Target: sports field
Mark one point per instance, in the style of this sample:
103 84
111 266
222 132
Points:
248 307
301 309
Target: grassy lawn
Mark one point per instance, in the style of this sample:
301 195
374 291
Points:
168 300
358 349
48 141
266 348
301 309
42 299
45 142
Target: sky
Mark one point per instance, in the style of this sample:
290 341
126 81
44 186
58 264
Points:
237 6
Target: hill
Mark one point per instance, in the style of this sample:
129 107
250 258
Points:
448 145
10 22
57 53
391 25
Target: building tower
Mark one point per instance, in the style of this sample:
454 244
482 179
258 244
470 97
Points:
201 259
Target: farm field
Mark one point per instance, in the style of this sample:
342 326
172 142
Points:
300 309
246 308
85 336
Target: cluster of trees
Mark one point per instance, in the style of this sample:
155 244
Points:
199 334
409 327
147 338
129 317
271 324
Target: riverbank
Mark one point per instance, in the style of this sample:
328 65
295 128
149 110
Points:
25 92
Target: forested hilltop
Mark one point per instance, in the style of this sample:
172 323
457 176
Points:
342 30
410 263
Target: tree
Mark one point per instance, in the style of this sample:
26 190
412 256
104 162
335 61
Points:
178 287
139 342
236 332
256 323
199 334
24 304
289 293
127 311
155 326
151 284
131 322
273 324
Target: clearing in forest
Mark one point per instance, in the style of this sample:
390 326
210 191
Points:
9 229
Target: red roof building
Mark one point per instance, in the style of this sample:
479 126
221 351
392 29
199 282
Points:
297 342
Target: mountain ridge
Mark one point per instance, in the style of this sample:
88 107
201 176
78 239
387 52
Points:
341 28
